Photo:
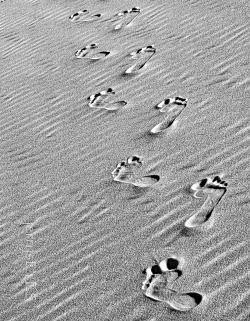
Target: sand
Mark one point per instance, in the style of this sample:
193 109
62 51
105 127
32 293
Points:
74 242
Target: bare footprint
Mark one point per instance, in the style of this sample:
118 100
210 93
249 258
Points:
102 100
91 52
214 189
124 18
169 265
141 57
124 173
172 107
159 291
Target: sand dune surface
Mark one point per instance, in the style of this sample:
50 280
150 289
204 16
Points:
75 238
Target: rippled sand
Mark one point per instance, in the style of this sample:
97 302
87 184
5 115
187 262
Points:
74 242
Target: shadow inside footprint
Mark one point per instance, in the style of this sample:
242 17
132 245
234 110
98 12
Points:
208 215
172 263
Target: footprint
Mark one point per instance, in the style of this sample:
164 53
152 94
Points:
84 16
78 15
124 18
169 265
91 52
169 118
141 57
98 100
124 173
163 105
214 189
159 291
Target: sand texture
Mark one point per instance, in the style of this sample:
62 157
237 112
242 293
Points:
83 90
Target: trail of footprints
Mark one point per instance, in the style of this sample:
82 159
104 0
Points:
161 276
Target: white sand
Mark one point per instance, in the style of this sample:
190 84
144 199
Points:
92 236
